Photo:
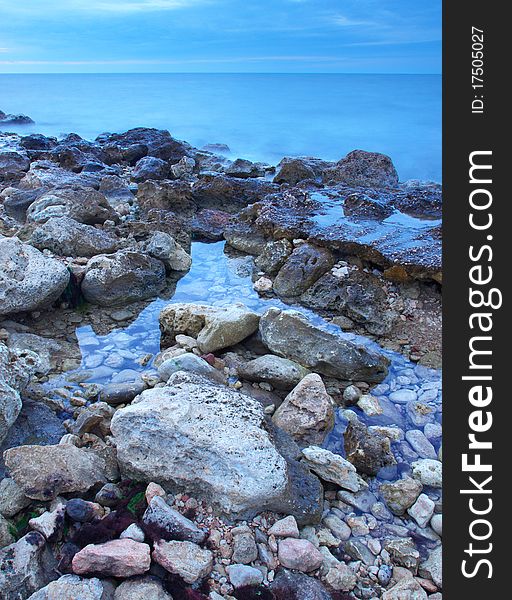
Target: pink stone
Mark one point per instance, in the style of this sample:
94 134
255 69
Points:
286 528
118 558
153 490
300 555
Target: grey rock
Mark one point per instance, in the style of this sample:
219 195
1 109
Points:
187 362
422 510
28 279
368 452
13 165
401 494
66 237
333 467
170 524
368 169
123 277
290 335
12 498
420 443
298 586
408 588
165 248
245 550
404 553
210 440
432 568
141 588
150 167
186 559
281 373
338 527
429 472
358 551
273 257
74 587
243 575
44 472
121 393
6 537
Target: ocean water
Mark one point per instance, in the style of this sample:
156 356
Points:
259 116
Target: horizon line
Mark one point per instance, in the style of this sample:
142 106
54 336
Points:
215 73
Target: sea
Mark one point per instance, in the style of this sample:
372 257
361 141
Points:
261 117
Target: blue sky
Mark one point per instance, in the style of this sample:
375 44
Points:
365 36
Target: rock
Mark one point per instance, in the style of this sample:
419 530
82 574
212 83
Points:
406 589
67 237
363 206
432 568
401 494
13 165
307 413
290 335
183 168
17 367
44 472
16 201
6 537
243 575
150 167
12 498
29 280
286 527
141 588
422 510
368 452
164 247
305 265
333 467
209 224
187 362
300 555
244 169
274 256
366 169
121 393
6 119
94 418
117 558
82 511
123 277
429 472
420 444
83 204
402 396
185 559
340 577
71 587
168 524
245 550
358 551
281 373
25 566
298 586
370 405
50 523
214 327
403 552
294 170
210 440
436 523
351 395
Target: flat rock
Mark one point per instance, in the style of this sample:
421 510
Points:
243 575
289 334
281 373
118 558
333 467
168 524
44 472
186 559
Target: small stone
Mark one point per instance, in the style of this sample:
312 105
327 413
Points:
245 550
358 551
186 559
109 495
420 444
6 537
422 510
299 554
133 532
351 395
154 489
50 523
333 467
72 587
12 498
429 472
437 524
370 405
432 568
340 577
118 558
403 552
403 396
286 527
140 588
243 575
358 525
407 588
83 511
171 524
339 528
401 494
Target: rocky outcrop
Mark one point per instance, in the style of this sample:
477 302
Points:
214 327
28 279
212 441
289 334
123 277
18 119
67 237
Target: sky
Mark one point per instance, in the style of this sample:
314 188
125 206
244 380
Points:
340 36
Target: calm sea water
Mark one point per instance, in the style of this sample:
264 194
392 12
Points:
260 116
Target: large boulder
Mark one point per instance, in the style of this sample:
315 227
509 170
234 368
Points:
289 334
16 370
25 567
211 441
13 165
122 277
214 327
67 237
365 169
306 264
44 472
28 279
83 204
295 170
307 413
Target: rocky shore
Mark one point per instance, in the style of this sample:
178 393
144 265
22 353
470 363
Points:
218 378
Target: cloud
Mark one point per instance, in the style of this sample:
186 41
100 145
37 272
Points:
344 21
98 6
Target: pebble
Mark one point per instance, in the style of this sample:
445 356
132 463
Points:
420 443
422 510
429 472
243 575
133 532
286 527
338 527
437 524
403 396
300 555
